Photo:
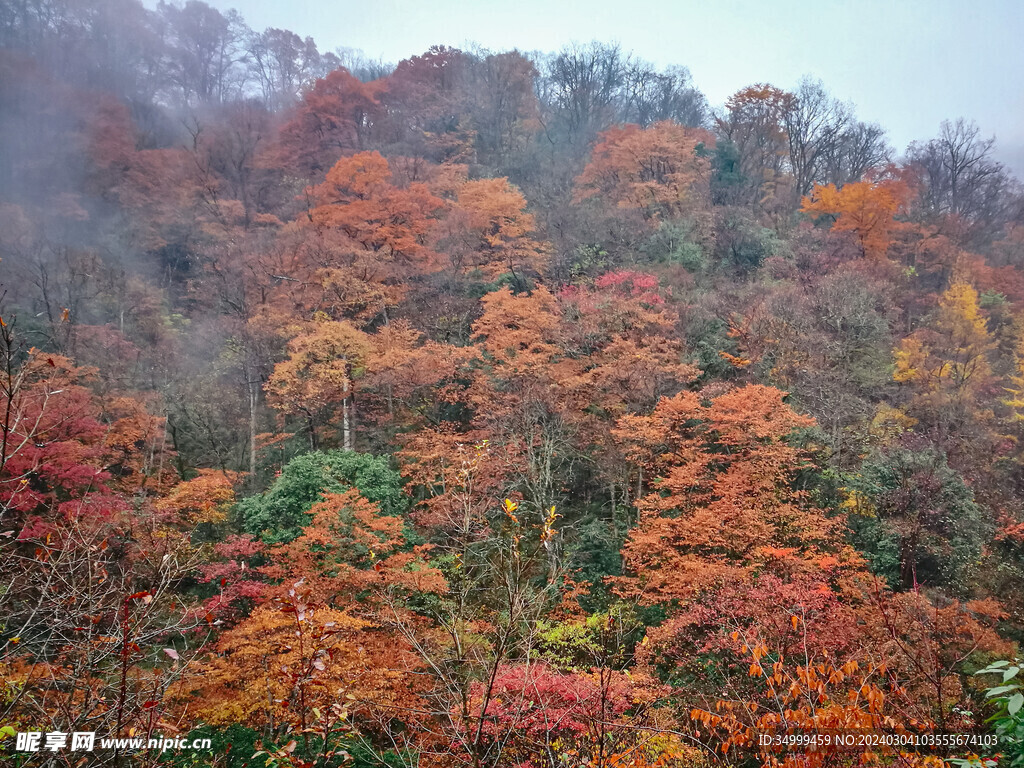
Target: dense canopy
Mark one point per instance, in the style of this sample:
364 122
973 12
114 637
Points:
492 409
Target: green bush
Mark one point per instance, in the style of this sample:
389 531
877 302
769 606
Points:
280 514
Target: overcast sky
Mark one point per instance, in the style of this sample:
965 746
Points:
906 64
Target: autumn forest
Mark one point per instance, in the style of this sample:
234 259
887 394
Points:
497 409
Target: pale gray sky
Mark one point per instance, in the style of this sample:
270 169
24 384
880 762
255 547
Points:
906 64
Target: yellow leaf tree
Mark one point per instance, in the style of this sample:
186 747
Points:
946 363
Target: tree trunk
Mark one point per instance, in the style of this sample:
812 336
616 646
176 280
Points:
348 412
254 395
346 425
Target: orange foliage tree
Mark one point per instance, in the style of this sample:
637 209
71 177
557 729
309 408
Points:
816 711
335 117
318 376
316 656
489 229
868 209
754 123
371 237
656 170
723 536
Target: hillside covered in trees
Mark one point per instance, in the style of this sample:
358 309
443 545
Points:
493 409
